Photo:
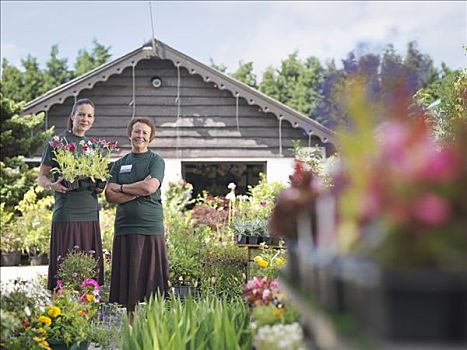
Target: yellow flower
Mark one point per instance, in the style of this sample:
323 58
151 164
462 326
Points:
279 312
41 330
45 320
54 311
36 339
261 262
44 345
89 297
280 261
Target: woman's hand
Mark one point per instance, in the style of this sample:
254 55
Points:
58 187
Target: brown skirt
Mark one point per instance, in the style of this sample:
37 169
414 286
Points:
65 236
139 269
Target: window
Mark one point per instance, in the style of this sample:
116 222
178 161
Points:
214 177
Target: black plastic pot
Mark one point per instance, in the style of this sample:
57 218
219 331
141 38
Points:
39 260
410 305
97 184
73 186
10 258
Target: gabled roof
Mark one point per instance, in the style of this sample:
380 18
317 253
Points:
158 49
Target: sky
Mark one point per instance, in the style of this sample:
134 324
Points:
227 32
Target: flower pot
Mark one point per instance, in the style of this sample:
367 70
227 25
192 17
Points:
84 183
10 258
39 260
97 184
252 239
410 305
58 345
73 186
242 239
293 264
184 291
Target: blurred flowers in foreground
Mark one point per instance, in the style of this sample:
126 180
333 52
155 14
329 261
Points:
404 196
401 197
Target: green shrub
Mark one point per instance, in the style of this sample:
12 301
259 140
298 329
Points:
34 221
223 269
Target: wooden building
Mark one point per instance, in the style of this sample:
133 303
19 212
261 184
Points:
211 128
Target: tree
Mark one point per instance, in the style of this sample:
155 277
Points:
12 81
56 72
244 73
19 135
295 83
220 67
446 101
86 61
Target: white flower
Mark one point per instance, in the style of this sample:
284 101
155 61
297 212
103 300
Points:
230 196
231 186
27 311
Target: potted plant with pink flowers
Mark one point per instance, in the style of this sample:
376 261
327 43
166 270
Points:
403 214
84 164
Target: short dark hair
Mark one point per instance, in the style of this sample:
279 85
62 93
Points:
81 101
145 120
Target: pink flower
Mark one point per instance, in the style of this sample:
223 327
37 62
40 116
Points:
436 166
431 209
55 142
70 147
90 282
370 205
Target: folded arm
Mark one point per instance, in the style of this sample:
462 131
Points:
122 193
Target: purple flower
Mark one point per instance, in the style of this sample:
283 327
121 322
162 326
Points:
74 274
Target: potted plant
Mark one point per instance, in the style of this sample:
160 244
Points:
19 302
407 233
84 164
11 243
34 223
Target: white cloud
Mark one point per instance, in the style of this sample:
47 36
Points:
332 29
13 53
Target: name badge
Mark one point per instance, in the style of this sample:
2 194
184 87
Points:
125 169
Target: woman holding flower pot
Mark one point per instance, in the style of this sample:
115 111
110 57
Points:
75 220
139 258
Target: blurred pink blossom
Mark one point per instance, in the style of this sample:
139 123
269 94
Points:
431 209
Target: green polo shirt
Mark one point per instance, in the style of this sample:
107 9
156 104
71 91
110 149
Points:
80 205
143 215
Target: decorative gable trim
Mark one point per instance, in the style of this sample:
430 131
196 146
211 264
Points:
208 74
